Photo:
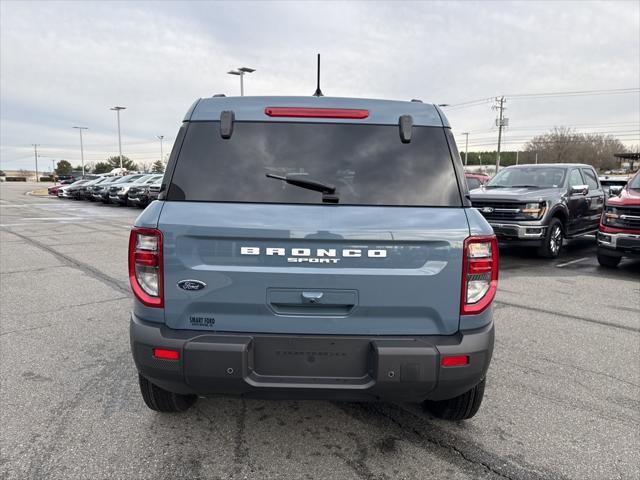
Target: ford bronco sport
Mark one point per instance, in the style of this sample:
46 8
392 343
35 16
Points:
313 248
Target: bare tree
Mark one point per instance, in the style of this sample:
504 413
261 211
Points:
562 144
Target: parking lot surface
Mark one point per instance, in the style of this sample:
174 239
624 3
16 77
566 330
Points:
562 398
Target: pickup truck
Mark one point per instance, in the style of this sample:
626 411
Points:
541 205
313 247
619 232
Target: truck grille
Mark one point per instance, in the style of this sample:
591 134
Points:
499 210
629 217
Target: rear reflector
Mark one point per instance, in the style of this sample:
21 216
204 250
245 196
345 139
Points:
164 354
316 112
455 361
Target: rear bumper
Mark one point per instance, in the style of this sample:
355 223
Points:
311 366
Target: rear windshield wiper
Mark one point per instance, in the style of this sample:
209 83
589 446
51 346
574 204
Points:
328 191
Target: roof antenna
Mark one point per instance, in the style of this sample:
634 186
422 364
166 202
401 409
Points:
318 92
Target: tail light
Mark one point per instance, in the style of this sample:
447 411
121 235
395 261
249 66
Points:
145 266
479 274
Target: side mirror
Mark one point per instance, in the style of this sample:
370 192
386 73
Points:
579 189
615 190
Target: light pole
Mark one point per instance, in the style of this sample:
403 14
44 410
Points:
466 147
117 109
161 137
35 154
241 72
82 147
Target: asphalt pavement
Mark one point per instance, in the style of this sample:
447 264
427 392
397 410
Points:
562 398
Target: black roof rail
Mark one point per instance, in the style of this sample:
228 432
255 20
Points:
416 100
218 95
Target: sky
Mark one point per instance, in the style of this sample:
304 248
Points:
64 64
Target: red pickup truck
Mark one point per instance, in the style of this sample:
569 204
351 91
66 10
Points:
619 232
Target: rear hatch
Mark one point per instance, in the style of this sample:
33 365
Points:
248 253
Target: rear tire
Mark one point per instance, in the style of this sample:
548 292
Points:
553 239
161 400
608 261
461 407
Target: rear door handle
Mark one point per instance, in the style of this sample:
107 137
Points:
312 297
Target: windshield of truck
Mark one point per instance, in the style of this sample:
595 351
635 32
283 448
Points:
533 177
367 164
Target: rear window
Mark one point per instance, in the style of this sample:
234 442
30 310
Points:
368 164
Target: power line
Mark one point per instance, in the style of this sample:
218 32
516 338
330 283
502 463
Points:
574 93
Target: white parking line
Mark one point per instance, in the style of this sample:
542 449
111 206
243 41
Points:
560 265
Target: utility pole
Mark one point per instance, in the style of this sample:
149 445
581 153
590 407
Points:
536 158
35 153
466 147
82 147
117 109
500 123
517 153
160 137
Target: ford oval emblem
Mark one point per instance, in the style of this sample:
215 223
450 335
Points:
486 209
191 284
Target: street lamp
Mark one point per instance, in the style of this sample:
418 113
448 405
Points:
81 147
241 72
161 137
117 109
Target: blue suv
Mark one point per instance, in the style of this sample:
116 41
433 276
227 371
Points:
313 247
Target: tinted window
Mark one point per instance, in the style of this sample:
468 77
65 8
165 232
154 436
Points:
590 178
635 182
575 178
368 164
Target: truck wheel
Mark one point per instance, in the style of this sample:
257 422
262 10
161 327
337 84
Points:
461 407
609 261
552 241
161 400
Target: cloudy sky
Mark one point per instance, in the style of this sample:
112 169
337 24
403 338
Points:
64 64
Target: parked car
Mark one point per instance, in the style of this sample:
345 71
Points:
103 191
541 205
119 193
53 190
84 192
154 191
90 188
100 192
619 233
139 196
475 180
316 247
71 191
63 191
613 185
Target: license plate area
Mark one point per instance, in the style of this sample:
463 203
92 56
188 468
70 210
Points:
318 357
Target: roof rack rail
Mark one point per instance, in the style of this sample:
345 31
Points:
218 95
416 100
